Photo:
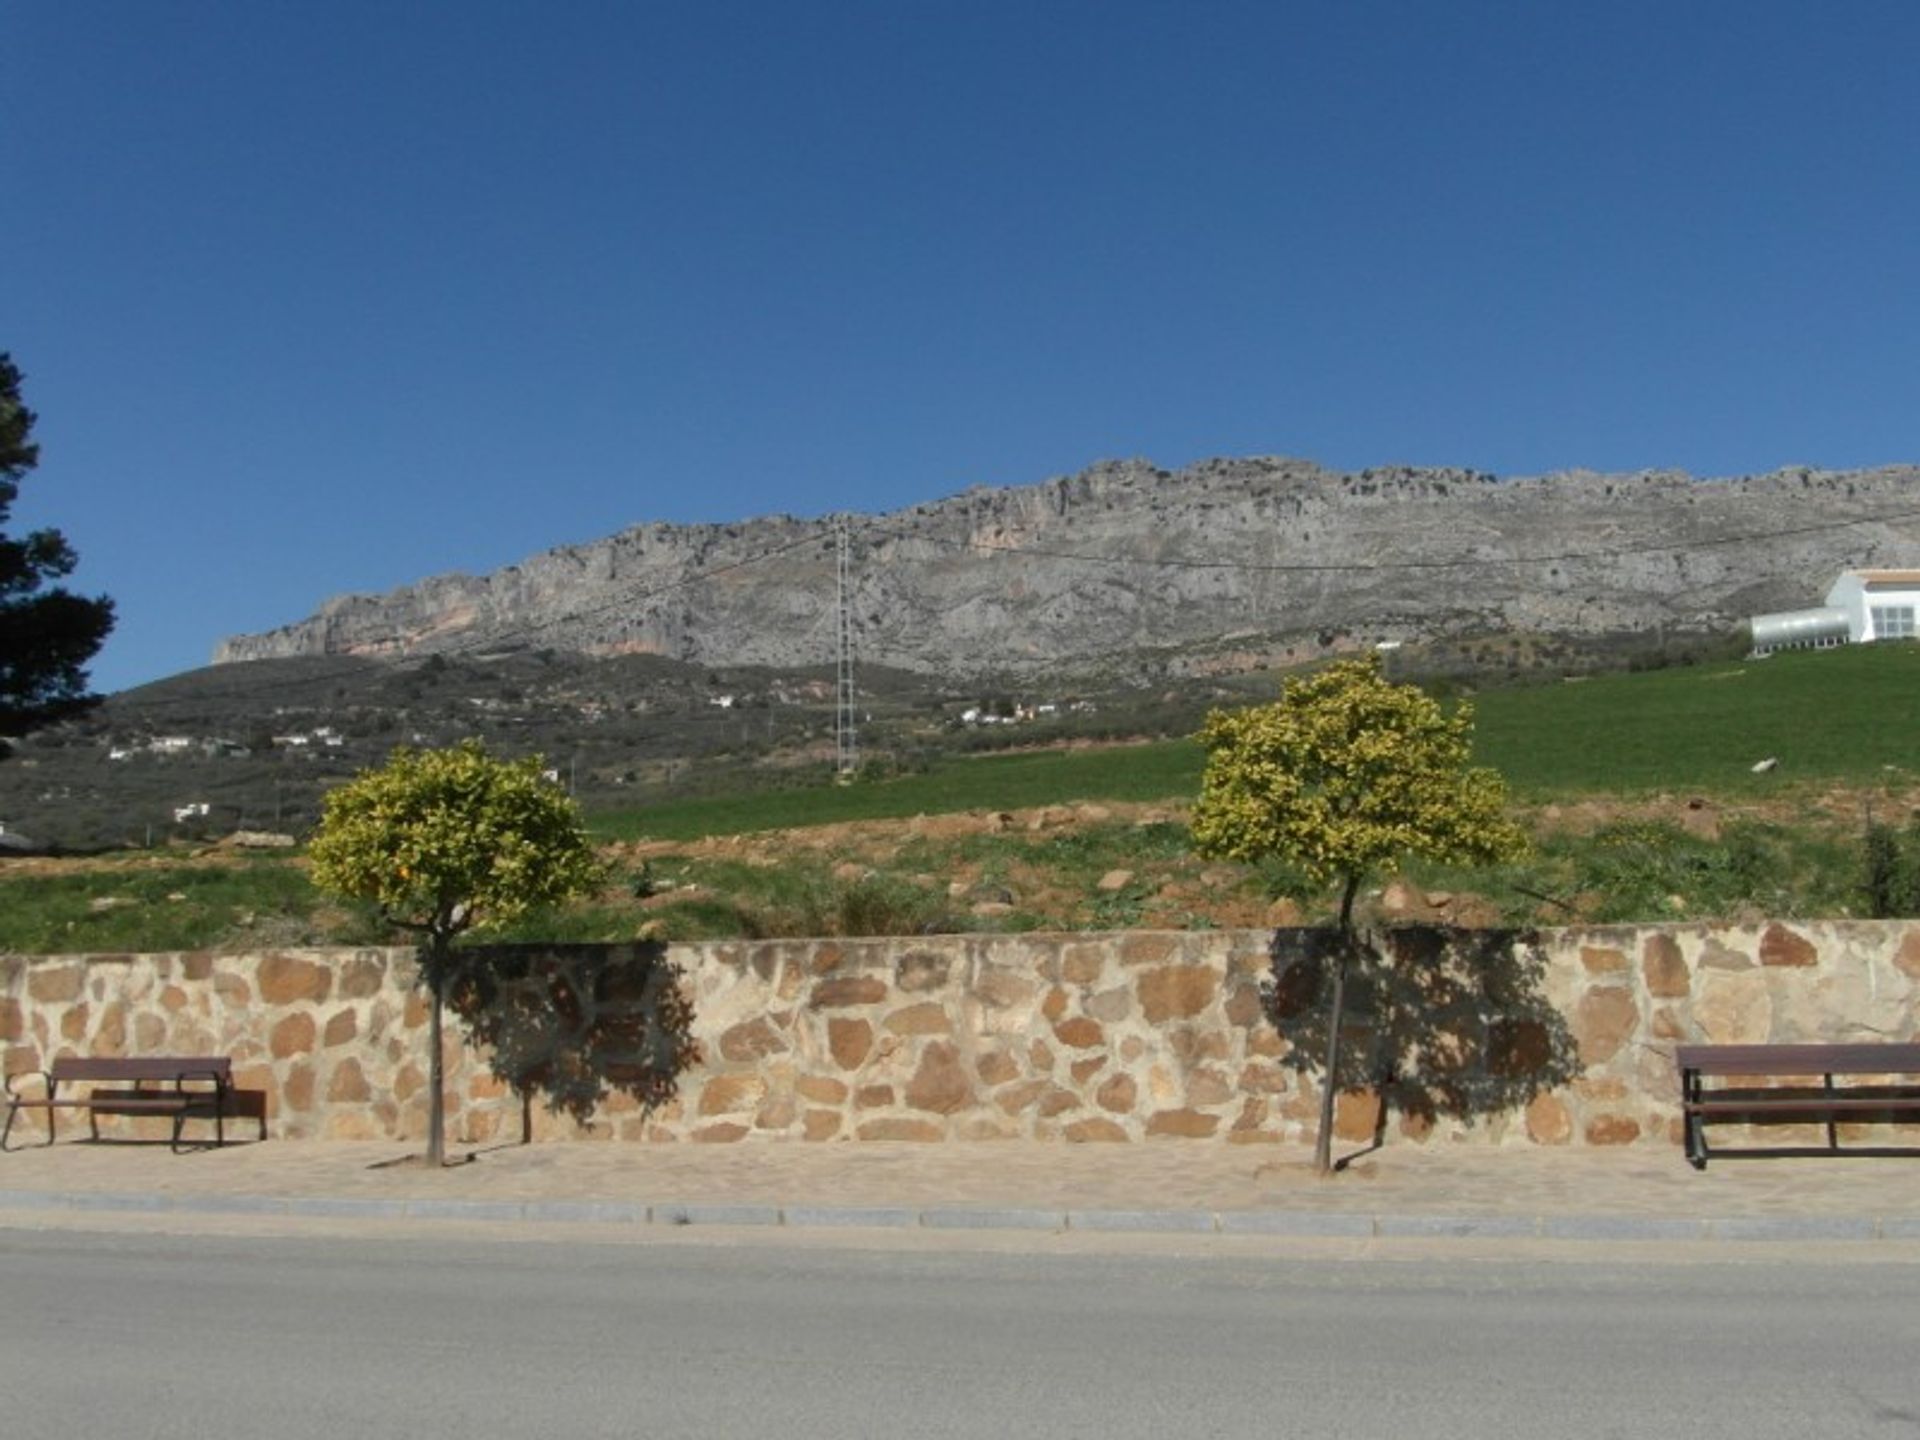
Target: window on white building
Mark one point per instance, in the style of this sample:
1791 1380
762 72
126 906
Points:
1893 622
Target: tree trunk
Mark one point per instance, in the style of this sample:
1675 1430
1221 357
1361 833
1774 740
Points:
1329 1086
436 1069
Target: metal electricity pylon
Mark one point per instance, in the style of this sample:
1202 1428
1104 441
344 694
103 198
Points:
848 752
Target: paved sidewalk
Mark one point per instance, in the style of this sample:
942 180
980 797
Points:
1637 1194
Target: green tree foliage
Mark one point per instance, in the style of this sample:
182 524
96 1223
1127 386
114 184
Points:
1345 775
47 633
448 841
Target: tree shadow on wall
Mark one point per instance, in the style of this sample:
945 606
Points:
1440 1020
572 1024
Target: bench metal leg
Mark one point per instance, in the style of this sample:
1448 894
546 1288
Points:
1695 1128
15 1109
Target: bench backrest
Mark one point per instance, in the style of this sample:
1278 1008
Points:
146 1067
1872 1057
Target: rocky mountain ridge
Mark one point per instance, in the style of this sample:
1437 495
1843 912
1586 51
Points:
1227 564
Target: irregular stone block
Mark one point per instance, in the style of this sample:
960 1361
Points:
348 1083
1177 992
1096 1128
1118 1094
849 1041
1612 1130
923 970
289 980
1549 1122
1714 955
296 1091
1603 1021
1600 1087
1084 1070
1663 968
820 1124
941 1083
729 1094
292 1036
1186 1124
723 1133
751 1040
996 1067
873 1097
362 977
1517 1048
1083 964
55 984
1148 949
1057 1102
777 1113
1602 960
820 1089
1208 1087
841 992
927 1018
1781 946
1734 1008
1243 1005
1907 958
1111 1005
1016 1098
1356 1115
1261 1079
1001 989
1080 1033
340 1028
1667 1025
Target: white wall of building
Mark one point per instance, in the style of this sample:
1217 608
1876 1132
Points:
1880 604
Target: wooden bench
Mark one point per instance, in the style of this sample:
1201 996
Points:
1753 1092
201 1088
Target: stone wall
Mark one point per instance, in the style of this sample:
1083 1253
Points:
1073 1037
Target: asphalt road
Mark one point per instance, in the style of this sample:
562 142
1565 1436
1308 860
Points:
159 1336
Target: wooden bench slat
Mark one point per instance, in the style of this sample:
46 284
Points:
1813 1104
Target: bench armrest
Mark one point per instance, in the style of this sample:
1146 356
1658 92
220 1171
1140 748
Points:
46 1083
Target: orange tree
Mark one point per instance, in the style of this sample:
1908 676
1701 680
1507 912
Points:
447 841
1345 775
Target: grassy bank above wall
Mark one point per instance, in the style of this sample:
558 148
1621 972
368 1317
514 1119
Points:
1849 716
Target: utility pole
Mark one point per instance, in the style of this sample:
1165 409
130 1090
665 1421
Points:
848 756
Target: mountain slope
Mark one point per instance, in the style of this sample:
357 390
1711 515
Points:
1224 565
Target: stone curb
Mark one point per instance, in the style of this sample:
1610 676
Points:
1297 1224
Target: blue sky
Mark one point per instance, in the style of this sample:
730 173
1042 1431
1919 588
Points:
315 298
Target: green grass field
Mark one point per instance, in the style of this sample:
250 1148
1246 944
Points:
1846 717
1850 715
997 782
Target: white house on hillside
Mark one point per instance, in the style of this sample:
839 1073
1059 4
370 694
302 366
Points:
1880 604
1862 605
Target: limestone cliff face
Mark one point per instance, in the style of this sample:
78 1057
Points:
1228 559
